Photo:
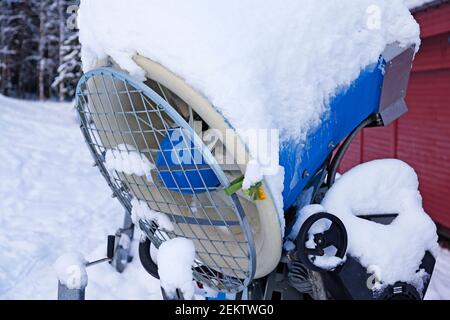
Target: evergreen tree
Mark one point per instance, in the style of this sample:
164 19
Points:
18 44
48 46
69 70
39 54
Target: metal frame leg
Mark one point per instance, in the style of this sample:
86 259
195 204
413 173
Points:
65 293
122 254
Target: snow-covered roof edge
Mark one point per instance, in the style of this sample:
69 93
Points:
427 5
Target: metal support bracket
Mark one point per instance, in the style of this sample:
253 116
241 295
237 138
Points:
65 293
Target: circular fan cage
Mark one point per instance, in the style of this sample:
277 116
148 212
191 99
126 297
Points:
120 114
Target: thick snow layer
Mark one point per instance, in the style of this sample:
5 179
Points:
377 187
261 64
48 183
175 261
126 159
141 211
71 270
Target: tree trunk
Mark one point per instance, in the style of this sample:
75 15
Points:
41 79
61 44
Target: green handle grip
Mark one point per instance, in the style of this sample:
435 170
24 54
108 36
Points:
234 187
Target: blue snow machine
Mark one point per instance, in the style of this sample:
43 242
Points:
196 181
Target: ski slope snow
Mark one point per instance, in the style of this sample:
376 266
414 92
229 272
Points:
52 202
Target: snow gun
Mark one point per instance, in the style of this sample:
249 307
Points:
148 141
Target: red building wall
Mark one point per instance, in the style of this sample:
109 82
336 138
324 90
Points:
422 137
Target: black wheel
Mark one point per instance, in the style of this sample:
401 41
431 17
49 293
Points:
146 258
335 236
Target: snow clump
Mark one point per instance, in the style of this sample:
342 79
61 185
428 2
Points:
126 159
71 271
141 211
175 261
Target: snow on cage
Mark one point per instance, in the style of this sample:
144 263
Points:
126 159
141 211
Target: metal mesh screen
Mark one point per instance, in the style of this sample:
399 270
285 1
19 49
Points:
122 115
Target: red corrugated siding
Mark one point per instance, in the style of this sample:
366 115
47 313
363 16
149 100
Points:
422 137
379 143
353 156
434 53
434 21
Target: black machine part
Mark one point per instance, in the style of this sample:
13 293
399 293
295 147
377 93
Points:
400 291
122 250
298 277
146 259
350 282
289 281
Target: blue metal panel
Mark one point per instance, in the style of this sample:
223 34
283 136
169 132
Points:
347 110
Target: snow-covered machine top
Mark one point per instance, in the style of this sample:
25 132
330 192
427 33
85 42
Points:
261 65
412 4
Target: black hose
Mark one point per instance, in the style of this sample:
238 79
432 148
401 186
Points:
334 166
146 259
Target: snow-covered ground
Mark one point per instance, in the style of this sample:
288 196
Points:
440 283
53 201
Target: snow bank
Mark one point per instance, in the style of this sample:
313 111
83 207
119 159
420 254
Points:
141 211
126 159
175 261
71 270
380 187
